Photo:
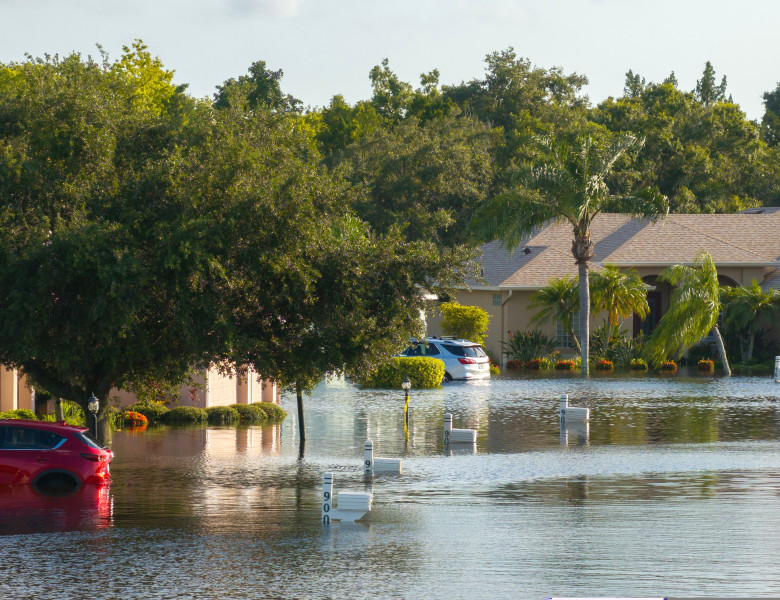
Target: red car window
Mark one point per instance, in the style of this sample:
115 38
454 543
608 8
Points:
25 438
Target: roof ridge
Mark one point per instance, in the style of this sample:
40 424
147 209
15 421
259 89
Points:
728 243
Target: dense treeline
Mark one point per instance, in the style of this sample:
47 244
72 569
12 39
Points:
144 231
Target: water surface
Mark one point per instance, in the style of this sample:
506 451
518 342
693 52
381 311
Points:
672 489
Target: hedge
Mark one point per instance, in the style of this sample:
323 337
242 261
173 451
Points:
424 372
250 413
222 415
184 414
275 412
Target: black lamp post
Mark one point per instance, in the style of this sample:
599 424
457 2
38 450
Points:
94 406
406 385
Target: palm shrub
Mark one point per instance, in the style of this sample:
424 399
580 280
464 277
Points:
525 346
746 310
619 294
559 300
275 412
694 307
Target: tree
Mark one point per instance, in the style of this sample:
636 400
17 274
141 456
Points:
260 89
571 186
707 92
619 294
559 299
746 310
694 307
770 122
466 322
634 85
427 178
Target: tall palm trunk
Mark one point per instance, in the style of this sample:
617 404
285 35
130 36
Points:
584 317
721 350
574 337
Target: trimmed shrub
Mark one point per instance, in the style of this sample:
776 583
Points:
153 411
604 365
669 366
184 414
466 322
495 369
222 415
565 365
638 364
275 412
423 372
250 413
706 365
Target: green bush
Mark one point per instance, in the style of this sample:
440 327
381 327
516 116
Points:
19 413
275 412
565 365
184 414
466 322
638 364
153 411
250 413
422 371
525 346
222 415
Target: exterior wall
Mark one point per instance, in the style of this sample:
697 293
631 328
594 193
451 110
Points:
214 389
14 391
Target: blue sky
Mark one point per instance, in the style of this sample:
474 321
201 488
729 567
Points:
327 47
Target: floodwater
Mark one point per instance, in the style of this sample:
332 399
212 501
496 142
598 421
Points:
672 489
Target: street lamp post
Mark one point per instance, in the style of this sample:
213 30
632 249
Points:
406 385
94 406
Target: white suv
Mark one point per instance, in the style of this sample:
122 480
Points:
462 359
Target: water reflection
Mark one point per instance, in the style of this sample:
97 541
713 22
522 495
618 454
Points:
24 509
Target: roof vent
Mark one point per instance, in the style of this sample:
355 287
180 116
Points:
526 251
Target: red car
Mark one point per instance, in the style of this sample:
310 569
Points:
51 456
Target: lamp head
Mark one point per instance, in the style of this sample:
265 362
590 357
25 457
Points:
406 385
94 404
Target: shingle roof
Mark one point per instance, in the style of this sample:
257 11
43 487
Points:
749 238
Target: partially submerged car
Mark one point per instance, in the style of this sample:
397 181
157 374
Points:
462 359
51 456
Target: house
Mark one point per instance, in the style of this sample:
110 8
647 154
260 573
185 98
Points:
744 246
211 388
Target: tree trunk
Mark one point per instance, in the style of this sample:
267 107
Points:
301 423
58 416
584 317
574 338
750 345
721 351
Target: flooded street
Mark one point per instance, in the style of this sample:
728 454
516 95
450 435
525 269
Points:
672 489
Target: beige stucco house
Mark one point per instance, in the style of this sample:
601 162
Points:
744 246
211 388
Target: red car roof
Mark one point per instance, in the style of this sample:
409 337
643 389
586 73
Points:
47 425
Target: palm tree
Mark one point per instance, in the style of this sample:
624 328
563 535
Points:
619 294
693 312
570 187
748 308
559 299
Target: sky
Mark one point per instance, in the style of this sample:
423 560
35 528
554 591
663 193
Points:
328 47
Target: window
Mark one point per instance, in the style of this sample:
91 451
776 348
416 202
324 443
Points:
472 351
562 337
496 299
421 350
23 438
